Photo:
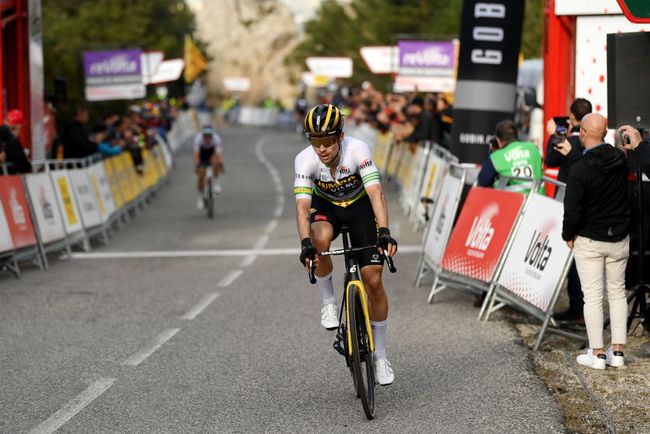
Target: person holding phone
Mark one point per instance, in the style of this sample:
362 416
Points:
563 150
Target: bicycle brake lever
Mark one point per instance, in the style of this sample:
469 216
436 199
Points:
389 261
312 267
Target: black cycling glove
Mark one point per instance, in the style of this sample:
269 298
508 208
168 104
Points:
385 239
308 251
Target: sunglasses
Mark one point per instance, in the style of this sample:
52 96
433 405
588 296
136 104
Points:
317 142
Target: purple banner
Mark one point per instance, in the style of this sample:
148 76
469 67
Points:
422 55
112 67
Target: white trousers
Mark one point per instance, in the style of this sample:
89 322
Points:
602 265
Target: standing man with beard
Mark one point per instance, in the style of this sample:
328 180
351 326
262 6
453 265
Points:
596 226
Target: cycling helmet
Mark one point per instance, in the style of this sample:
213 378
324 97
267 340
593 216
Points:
207 129
324 120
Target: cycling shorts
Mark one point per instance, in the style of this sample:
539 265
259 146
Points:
360 220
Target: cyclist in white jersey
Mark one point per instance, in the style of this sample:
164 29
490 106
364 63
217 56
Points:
337 183
207 153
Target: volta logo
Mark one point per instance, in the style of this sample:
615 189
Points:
517 154
482 231
538 251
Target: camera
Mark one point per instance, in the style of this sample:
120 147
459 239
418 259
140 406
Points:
561 126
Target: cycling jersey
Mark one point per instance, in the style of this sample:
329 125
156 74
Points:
207 147
354 173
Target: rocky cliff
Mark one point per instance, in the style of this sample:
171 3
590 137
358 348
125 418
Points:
249 38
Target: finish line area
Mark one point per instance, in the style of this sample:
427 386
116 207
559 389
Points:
204 253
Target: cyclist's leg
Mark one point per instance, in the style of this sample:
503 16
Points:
200 171
324 228
215 163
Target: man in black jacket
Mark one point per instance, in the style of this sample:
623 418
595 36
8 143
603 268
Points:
76 141
596 226
564 154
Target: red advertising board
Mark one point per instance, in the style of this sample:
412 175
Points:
481 232
12 195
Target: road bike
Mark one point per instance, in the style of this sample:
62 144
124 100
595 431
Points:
354 339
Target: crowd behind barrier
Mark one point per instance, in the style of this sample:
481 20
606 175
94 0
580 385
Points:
66 203
504 244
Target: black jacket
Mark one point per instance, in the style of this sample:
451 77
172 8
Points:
14 152
76 143
596 204
555 159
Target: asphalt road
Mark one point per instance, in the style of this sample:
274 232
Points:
185 324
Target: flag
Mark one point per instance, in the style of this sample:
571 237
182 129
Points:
195 62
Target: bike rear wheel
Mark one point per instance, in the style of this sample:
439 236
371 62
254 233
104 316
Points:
363 370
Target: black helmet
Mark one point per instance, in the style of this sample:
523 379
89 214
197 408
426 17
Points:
324 120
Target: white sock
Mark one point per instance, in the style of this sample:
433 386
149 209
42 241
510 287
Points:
326 288
379 329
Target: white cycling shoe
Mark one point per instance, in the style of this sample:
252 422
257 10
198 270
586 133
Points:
199 203
328 317
383 372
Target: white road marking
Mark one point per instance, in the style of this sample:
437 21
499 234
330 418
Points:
230 278
271 226
200 306
73 407
210 253
261 242
158 342
247 261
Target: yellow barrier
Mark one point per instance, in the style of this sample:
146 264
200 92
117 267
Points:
114 180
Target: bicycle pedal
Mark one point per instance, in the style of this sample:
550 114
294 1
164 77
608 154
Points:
338 347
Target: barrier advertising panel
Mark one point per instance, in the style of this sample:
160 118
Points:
113 177
16 209
481 233
67 203
46 209
5 236
86 198
437 169
102 190
538 254
442 220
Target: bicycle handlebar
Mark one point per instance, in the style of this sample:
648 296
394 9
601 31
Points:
312 264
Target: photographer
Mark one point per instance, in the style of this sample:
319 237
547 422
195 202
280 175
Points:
563 150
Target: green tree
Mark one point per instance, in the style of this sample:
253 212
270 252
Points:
71 27
341 29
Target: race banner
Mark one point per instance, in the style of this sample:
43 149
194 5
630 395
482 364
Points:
490 40
481 232
86 197
5 236
67 203
46 209
442 220
538 254
16 210
426 66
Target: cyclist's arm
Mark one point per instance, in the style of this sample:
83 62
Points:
303 207
379 206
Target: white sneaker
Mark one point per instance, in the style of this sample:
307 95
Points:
383 372
199 203
614 358
589 360
328 317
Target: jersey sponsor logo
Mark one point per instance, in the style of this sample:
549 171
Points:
344 169
365 163
301 176
320 218
343 187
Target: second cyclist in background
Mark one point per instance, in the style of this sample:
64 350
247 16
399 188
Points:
208 153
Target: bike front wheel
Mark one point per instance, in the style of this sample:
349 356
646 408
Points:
363 370
209 199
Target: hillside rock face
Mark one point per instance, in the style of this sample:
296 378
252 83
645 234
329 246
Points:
249 38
